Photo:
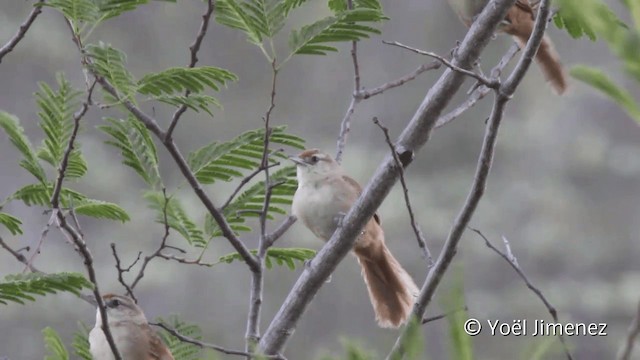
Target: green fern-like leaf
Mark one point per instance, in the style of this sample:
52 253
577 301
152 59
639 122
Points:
56 120
181 350
22 287
101 210
11 125
346 26
76 10
40 194
226 161
177 218
195 102
177 80
110 63
54 345
588 18
137 148
80 344
599 80
281 256
11 222
233 14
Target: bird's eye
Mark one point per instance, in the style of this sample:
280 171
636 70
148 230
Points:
314 159
113 303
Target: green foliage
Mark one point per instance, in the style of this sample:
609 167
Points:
21 287
263 19
137 148
12 223
101 210
586 18
599 80
80 343
353 351
54 345
109 63
176 217
454 304
281 256
225 161
624 42
181 350
195 102
346 26
29 162
57 122
179 79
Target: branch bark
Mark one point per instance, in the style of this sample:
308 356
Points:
22 30
502 96
411 140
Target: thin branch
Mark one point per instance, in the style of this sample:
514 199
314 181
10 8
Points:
413 138
367 93
43 235
490 83
441 316
632 336
213 346
252 335
280 230
193 49
416 228
480 92
502 95
248 178
21 258
22 30
511 259
345 125
163 244
121 271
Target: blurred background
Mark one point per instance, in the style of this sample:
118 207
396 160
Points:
564 188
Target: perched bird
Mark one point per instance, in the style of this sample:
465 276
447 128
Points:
519 23
131 332
323 197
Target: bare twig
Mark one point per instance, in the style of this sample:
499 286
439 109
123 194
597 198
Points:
213 346
367 93
163 245
193 49
490 83
121 271
248 178
21 258
257 277
345 125
632 336
416 228
43 235
280 230
480 92
414 136
511 259
502 95
441 316
22 30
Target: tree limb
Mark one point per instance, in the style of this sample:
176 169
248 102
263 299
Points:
22 30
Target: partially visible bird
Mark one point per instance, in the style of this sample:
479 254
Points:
519 23
133 336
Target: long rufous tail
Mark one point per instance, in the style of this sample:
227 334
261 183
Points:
391 288
548 60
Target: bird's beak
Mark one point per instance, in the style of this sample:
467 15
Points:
297 160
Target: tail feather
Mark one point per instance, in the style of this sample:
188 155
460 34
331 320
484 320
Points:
548 60
391 289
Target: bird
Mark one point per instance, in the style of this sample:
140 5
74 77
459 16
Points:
324 195
132 334
519 23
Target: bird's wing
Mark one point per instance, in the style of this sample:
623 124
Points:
157 349
358 188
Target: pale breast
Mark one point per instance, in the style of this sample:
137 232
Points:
319 208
